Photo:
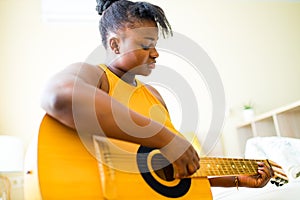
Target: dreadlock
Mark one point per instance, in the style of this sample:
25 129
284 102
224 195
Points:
120 14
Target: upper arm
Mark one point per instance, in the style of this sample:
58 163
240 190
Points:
85 73
60 90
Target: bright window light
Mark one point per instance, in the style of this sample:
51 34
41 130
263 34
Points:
69 11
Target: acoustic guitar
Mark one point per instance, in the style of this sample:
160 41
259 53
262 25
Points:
121 170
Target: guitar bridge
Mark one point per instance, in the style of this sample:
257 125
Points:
105 166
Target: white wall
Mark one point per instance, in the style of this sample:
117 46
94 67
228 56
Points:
255 46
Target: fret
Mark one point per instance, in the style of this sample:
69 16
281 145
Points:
244 167
214 166
254 165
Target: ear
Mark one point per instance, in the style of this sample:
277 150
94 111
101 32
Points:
114 44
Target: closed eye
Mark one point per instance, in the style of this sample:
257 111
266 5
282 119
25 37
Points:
145 47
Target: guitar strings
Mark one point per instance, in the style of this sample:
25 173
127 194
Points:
223 166
217 166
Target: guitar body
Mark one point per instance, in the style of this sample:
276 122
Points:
66 170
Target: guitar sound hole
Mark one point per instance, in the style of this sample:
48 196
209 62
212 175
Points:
162 167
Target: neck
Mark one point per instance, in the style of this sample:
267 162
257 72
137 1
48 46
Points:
124 75
211 166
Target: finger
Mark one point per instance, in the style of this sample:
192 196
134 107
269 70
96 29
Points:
192 168
261 164
198 158
180 172
197 165
268 170
264 174
263 169
196 161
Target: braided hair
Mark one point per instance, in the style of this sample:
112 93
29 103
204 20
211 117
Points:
121 14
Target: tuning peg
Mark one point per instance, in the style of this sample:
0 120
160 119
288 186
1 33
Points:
278 181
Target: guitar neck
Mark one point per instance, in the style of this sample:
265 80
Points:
211 166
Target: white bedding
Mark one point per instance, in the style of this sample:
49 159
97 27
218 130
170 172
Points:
282 150
289 191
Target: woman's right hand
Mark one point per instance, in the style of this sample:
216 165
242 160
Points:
183 156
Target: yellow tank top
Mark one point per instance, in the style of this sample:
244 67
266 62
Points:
138 98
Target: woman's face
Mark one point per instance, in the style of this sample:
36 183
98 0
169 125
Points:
137 51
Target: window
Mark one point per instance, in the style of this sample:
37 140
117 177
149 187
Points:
69 11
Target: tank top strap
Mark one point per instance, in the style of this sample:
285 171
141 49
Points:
102 66
110 75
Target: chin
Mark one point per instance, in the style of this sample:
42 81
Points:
145 72
148 72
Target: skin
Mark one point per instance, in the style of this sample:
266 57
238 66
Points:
78 86
264 174
82 86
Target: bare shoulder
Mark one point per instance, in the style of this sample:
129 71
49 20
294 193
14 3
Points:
156 94
89 73
82 69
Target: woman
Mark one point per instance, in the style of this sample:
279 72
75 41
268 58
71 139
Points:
124 106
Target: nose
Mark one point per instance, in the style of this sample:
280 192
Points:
154 53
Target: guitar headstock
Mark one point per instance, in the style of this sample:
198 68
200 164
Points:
279 178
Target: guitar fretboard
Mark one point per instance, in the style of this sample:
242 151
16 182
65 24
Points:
210 166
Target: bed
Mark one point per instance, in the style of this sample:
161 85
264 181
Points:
283 150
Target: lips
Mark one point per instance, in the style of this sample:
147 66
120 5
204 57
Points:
151 65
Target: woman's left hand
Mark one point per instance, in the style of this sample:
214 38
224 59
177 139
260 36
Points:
263 176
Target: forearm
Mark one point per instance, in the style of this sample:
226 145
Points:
92 111
117 121
225 181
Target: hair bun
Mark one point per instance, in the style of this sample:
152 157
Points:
102 5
